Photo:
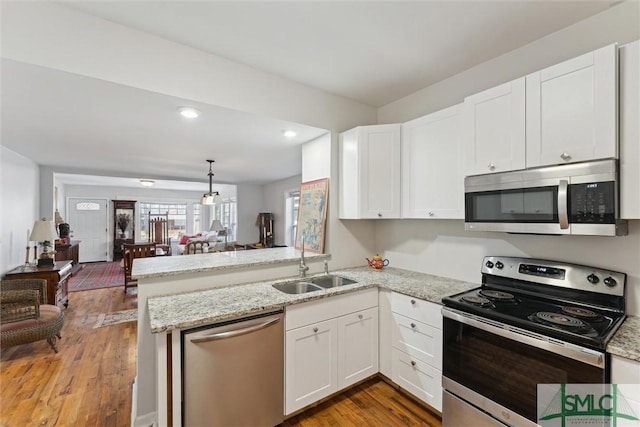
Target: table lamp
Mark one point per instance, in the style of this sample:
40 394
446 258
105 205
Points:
44 232
217 226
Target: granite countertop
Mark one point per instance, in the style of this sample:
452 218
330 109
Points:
626 341
203 307
198 263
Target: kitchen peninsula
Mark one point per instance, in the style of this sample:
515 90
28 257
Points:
181 274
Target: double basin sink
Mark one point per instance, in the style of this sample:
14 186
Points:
313 284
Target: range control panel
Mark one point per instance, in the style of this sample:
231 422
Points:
556 273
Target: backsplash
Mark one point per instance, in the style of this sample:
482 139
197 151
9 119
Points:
443 248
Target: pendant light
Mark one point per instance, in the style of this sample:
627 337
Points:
212 197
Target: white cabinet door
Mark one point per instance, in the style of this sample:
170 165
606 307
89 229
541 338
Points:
432 162
629 56
357 346
370 172
572 110
494 128
311 364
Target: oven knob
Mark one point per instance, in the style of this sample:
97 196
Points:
593 279
489 264
610 282
499 265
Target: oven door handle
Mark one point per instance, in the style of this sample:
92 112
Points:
582 354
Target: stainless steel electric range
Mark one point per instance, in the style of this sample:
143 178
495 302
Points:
531 322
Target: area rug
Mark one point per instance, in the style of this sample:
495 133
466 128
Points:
97 275
108 319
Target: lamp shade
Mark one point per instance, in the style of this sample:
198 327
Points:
216 225
211 198
43 231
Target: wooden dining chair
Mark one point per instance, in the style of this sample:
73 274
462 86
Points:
131 252
159 233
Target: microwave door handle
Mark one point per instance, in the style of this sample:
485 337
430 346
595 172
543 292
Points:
563 214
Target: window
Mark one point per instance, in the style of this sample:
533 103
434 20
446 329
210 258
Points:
292 201
227 213
176 213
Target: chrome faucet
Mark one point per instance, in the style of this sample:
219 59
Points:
302 268
326 267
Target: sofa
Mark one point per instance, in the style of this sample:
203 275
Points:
207 241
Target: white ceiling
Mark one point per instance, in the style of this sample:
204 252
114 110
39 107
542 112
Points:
373 52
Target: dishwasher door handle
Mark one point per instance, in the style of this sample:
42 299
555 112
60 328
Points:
231 334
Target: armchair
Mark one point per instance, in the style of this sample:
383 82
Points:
25 317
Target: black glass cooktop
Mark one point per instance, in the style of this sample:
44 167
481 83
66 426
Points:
569 321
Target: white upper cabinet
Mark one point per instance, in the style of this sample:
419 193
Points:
432 162
572 110
630 131
494 127
370 172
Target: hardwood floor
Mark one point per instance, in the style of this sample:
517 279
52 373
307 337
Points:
88 383
372 403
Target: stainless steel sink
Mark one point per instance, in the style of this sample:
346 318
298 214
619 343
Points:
297 287
331 281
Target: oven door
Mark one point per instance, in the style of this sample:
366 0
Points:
497 367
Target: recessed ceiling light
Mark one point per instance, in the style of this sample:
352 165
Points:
188 112
146 182
289 133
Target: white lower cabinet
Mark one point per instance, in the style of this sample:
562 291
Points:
311 363
411 345
357 346
329 345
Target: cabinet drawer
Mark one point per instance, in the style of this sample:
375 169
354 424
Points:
418 340
327 308
418 378
414 308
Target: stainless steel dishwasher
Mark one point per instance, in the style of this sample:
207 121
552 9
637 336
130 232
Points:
233 373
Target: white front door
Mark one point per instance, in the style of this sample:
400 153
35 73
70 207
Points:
88 222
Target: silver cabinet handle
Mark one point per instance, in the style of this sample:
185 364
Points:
563 214
315 330
231 334
413 363
565 156
431 213
413 325
413 302
379 215
491 166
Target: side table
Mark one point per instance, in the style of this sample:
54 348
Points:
57 277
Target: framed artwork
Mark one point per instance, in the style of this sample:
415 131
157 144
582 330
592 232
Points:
312 215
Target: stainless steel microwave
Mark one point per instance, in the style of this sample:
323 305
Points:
577 199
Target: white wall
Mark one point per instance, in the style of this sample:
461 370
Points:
250 204
443 248
19 180
275 202
620 23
